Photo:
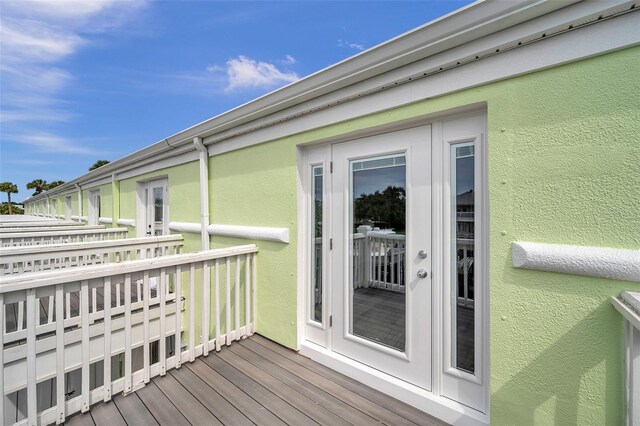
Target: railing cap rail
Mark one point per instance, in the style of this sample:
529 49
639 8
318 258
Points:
38 279
48 248
52 228
63 232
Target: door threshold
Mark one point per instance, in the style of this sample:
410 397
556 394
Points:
443 408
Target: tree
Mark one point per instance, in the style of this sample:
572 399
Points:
39 185
98 163
54 184
384 209
9 188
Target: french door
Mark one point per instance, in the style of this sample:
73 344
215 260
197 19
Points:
396 242
381 257
153 208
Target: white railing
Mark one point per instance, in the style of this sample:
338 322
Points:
17 260
50 228
60 236
43 348
31 224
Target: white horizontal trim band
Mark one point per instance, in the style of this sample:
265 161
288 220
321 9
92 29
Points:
105 220
617 264
250 232
235 231
126 222
191 227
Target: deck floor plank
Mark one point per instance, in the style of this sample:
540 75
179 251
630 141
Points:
107 415
80 419
224 411
254 381
292 407
160 406
133 410
255 412
405 410
357 394
190 407
325 399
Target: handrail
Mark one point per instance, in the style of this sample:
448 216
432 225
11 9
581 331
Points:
24 259
83 326
30 280
50 228
24 250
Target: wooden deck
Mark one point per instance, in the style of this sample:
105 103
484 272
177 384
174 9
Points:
254 381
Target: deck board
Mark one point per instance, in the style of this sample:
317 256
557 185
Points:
254 381
107 415
134 411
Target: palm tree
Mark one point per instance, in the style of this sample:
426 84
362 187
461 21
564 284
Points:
39 185
98 163
54 184
9 188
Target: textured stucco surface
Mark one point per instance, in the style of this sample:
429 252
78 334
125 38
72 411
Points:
563 168
184 196
257 187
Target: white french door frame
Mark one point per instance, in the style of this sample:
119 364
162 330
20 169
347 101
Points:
315 339
94 206
144 206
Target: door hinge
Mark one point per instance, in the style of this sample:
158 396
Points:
331 167
330 243
330 320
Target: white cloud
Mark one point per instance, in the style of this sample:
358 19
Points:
356 46
46 142
246 73
289 60
36 36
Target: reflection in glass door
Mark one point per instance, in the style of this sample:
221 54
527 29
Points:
381 259
378 221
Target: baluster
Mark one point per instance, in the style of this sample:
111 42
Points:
393 268
254 284
60 399
192 309
161 289
227 305
145 323
107 339
178 302
217 302
247 293
68 304
384 275
139 287
84 317
50 310
206 282
118 304
237 298
32 409
20 316
127 334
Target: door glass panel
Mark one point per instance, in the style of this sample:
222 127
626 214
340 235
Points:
316 248
463 234
377 249
158 211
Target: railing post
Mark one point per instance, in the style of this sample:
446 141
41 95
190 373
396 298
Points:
366 254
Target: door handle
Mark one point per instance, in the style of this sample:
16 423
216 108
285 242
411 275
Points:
422 273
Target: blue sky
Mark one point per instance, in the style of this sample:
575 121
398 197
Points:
89 80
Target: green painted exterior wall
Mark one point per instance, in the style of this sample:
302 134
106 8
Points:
562 168
184 198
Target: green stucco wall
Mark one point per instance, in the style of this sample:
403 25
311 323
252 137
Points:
563 168
184 197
